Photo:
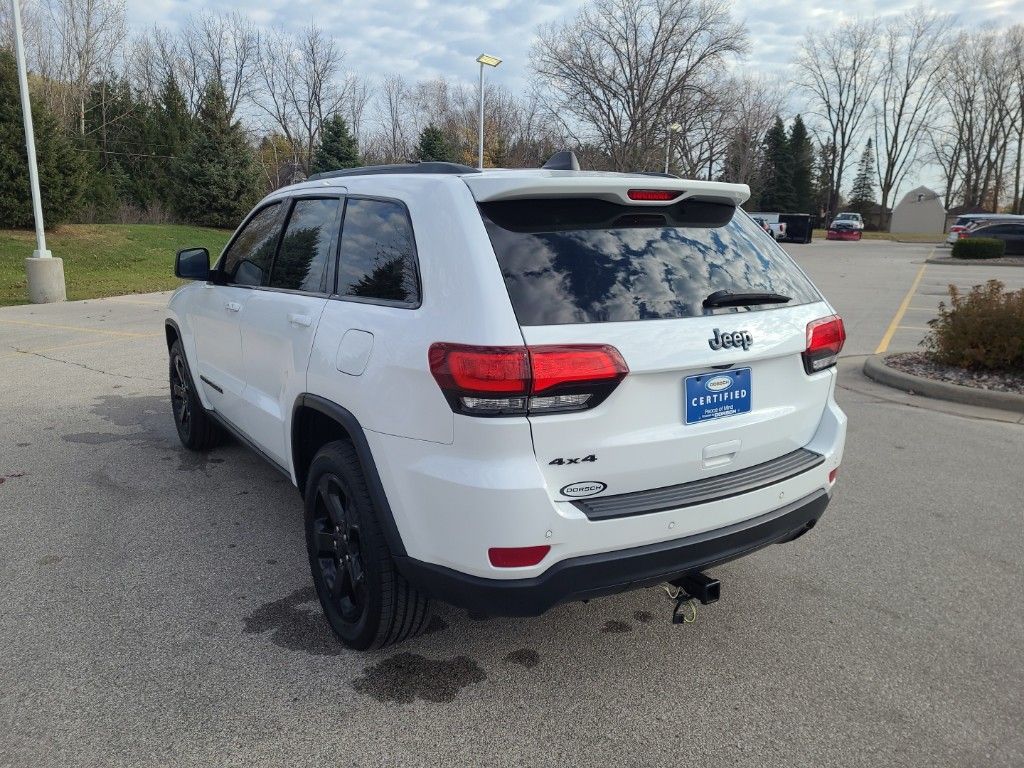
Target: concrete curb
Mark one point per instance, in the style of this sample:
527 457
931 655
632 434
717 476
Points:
876 369
1002 261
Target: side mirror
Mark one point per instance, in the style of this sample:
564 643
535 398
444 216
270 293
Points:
192 264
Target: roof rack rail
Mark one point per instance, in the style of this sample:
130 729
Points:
378 170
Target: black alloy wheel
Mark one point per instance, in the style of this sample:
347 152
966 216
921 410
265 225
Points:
366 601
196 428
338 554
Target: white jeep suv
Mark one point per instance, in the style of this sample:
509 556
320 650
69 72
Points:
512 388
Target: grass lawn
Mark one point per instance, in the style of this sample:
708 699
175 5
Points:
819 234
104 259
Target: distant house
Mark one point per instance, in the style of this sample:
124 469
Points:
920 211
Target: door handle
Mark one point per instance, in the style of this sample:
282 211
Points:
301 320
232 306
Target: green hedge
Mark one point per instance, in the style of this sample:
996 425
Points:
978 248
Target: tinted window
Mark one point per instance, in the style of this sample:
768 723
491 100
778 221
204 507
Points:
247 261
301 263
590 261
378 253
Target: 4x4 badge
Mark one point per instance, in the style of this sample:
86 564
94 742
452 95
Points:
726 340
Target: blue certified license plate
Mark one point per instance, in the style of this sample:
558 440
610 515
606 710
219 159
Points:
717 395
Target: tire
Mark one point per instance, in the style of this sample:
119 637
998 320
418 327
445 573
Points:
196 429
366 601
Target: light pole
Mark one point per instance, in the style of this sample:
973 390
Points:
45 274
670 129
490 61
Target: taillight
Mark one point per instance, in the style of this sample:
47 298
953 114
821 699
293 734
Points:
656 195
511 381
517 557
825 338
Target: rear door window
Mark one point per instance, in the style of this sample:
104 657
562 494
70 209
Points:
309 240
592 261
247 261
378 253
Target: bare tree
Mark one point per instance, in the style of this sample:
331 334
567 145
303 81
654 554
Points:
392 107
913 48
298 75
221 47
838 72
1015 44
973 145
755 102
87 35
620 71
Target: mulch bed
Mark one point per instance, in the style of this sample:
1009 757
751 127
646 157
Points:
917 364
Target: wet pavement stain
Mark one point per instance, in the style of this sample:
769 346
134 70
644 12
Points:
23 445
614 627
405 677
644 617
49 560
526 657
296 623
150 423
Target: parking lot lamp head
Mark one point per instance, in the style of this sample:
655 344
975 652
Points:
484 59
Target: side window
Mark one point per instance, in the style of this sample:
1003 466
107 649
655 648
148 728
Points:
378 252
247 261
301 264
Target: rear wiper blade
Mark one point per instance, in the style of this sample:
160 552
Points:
730 299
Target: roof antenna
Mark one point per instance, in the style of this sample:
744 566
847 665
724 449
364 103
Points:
562 161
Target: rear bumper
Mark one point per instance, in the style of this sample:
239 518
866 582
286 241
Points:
588 576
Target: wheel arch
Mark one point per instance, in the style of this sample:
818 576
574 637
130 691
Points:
317 421
172 332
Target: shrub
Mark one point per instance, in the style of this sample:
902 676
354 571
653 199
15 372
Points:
978 248
983 329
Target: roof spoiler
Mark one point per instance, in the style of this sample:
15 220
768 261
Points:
613 187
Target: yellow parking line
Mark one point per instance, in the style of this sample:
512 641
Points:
80 329
898 317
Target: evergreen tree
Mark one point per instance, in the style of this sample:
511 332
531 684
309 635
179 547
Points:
216 174
61 168
801 152
338 148
778 172
434 146
173 128
862 196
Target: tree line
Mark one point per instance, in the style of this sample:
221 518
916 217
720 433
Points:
195 126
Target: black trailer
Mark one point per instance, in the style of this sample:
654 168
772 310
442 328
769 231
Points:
799 227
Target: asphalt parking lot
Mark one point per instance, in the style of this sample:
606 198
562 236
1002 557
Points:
156 607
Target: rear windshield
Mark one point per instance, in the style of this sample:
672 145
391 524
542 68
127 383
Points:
591 261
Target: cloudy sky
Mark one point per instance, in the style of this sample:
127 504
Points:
425 38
